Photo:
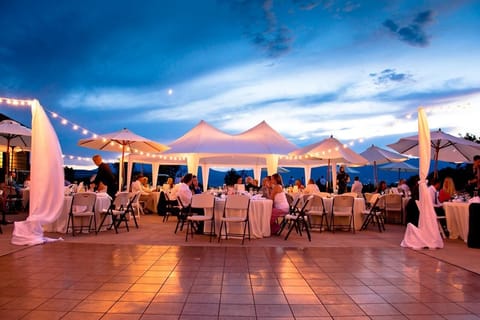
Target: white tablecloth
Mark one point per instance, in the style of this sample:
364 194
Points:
457 219
358 208
102 202
260 213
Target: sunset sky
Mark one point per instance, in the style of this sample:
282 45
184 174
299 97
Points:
357 70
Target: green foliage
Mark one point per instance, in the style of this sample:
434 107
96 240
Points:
231 177
471 137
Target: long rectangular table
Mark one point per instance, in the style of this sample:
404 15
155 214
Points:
260 213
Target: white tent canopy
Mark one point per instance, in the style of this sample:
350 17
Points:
208 147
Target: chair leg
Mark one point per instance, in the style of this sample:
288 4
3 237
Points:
306 229
220 234
292 225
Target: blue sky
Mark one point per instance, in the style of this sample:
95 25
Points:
357 70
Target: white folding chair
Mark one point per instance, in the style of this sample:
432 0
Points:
83 205
117 212
204 202
236 211
343 207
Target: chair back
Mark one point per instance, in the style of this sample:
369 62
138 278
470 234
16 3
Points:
121 200
372 200
83 202
394 202
203 201
239 203
316 204
307 203
343 203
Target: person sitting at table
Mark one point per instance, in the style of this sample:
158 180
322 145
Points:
403 187
299 186
196 186
266 188
146 196
382 188
439 211
280 202
447 191
250 185
357 186
311 187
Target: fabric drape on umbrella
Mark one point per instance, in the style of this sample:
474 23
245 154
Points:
46 203
427 234
376 155
13 134
123 141
442 146
333 151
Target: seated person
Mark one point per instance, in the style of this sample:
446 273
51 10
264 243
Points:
357 186
447 191
439 211
250 184
146 195
299 185
382 188
311 187
196 186
403 187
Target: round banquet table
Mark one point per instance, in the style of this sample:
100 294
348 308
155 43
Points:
457 215
260 213
358 208
60 225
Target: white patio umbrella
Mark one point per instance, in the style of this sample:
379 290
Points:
443 146
333 151
400 167
427 234
13 134
376 155
123 141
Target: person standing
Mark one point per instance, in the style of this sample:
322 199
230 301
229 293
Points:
473 182
342 180
104 175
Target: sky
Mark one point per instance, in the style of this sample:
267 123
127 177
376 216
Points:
357 70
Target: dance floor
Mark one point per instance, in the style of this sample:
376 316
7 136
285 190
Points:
152 273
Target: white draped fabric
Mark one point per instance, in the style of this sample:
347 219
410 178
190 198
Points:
47 181
427 234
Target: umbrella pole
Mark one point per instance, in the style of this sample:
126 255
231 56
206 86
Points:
375 175
435 166
7 162
120 171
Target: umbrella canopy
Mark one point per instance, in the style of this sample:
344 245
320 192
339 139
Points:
13 134
443 146
333 151
400 167
123 141
376 155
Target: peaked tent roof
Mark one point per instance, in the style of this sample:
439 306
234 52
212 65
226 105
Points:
266 140
205 139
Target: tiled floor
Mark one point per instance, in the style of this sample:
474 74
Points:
89 281
151 273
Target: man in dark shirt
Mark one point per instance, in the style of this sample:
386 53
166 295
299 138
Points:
105 175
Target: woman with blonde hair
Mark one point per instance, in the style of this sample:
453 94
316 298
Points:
447 191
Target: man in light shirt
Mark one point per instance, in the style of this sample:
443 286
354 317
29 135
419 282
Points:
433 189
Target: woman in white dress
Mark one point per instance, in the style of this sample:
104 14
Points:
280 203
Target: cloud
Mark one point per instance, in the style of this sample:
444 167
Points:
414 33
389 75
